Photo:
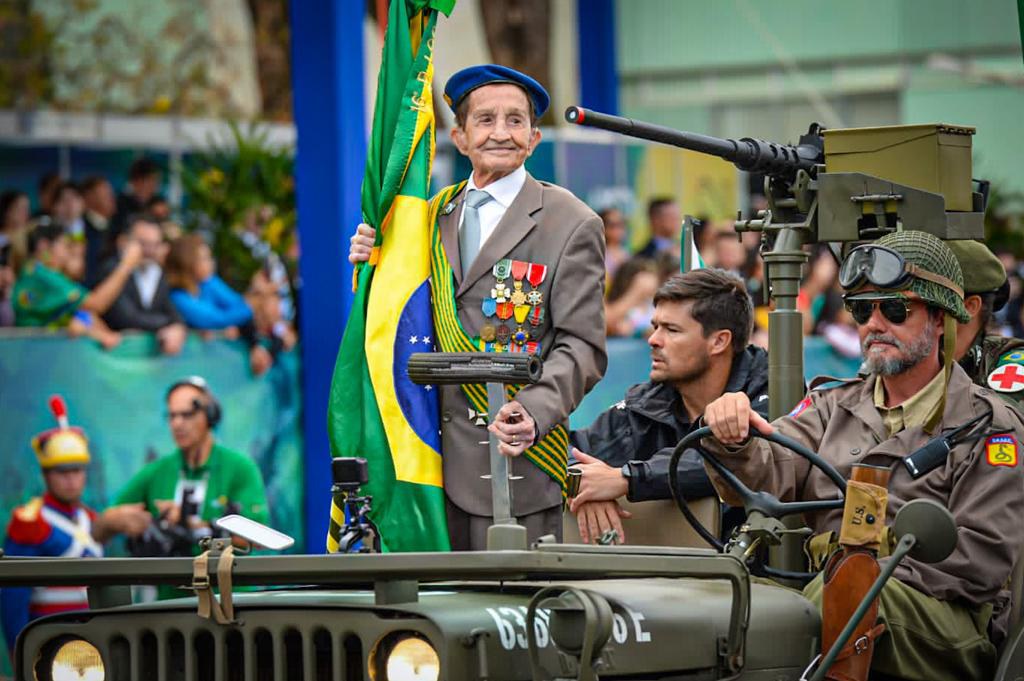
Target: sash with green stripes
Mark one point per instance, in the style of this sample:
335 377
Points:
551 453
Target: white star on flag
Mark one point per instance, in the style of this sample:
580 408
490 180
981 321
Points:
426 340
414 339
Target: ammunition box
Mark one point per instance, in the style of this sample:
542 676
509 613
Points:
935 157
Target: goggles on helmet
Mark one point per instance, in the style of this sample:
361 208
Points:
886 269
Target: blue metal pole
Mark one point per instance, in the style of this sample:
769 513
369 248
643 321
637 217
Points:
599 78
327 86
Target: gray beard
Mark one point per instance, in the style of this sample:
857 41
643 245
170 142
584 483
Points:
912 353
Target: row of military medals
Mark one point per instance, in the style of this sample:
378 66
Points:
513 306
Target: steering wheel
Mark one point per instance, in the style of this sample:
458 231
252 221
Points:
763 502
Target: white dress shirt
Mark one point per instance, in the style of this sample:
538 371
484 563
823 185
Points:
504 192
147 278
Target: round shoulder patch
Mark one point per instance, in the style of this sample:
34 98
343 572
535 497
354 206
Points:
1007 378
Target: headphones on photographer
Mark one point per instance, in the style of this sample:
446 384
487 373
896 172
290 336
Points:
211 407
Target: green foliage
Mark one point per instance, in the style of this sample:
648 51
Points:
25 41
243 185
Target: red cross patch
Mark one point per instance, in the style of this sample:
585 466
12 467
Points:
1008 378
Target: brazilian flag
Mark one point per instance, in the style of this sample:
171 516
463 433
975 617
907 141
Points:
375 411
1020 21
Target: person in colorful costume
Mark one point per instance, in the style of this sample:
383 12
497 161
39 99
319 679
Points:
58 524
991 360
517 266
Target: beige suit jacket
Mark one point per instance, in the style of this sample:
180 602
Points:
545 224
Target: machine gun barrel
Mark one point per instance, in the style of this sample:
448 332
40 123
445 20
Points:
459 368
752 155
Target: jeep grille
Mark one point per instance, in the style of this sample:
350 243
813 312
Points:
270 645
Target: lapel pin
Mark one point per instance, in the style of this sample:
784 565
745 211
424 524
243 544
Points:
448 208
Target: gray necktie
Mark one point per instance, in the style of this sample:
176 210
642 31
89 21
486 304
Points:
469 234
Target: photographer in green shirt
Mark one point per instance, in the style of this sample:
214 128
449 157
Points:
201 480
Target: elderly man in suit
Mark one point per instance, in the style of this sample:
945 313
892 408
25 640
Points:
527 275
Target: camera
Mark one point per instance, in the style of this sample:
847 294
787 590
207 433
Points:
166 539
349 473
359 535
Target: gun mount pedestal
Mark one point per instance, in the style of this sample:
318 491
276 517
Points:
496 369
505 533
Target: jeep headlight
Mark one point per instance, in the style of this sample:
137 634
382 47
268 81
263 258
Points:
404 656
76 660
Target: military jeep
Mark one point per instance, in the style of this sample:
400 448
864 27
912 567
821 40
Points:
549 612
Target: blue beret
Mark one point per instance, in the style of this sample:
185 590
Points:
469 79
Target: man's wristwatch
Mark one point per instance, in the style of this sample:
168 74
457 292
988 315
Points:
630 475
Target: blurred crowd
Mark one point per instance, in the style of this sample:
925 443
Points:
632 278
95 263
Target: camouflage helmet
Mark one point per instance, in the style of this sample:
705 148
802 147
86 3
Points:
929 255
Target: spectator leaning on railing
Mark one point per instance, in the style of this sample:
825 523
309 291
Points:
206 302
203 299
271 330
43 296
145 302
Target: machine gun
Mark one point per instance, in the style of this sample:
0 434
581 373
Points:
837 187
496 369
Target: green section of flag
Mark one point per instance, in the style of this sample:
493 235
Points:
409 516
1020 21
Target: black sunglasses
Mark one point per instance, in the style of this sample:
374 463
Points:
896 310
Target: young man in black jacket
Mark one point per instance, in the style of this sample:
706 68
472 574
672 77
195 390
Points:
702 323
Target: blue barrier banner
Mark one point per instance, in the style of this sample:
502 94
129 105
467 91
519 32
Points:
629 361
118 398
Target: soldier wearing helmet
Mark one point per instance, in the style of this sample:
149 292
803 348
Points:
942 621
59 524
989 359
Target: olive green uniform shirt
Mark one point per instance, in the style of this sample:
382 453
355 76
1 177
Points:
45 297
915 410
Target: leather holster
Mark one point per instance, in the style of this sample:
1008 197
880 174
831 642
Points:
848 575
